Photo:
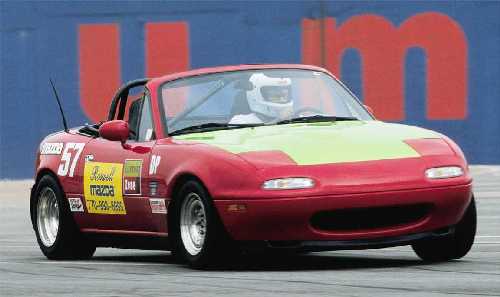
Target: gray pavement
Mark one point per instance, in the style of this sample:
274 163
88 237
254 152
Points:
387 272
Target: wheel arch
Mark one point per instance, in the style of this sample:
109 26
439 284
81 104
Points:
172 191
177 183
218 228
41 173
46 171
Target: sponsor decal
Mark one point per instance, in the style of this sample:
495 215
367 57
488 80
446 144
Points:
153 165
132 177
153 188
158 205
102 184
89 158
51 148
75 204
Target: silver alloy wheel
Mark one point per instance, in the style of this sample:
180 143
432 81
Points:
47 216
193 224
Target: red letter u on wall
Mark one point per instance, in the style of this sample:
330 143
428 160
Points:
166 51
99 68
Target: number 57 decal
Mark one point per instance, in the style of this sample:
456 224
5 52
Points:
69 160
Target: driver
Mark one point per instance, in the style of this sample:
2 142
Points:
268 100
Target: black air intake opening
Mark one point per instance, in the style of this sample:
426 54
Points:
369 218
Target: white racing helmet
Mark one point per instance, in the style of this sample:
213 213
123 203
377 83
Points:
271 96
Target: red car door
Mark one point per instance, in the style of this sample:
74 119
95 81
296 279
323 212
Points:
115 177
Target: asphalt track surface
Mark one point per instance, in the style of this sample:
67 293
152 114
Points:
24 271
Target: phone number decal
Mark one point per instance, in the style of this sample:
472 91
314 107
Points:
107 206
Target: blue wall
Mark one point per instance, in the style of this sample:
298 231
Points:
40 40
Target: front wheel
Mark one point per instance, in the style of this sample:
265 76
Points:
198 235
455 246
56 232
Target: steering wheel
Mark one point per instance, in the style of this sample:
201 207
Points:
306 109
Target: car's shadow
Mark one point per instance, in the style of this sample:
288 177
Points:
290 262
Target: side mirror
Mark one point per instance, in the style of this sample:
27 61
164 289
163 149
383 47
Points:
370 110
116 130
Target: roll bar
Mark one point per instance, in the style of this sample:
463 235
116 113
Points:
121 98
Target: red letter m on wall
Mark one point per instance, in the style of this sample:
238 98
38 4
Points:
383 48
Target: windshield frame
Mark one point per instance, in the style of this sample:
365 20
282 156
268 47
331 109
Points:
161 106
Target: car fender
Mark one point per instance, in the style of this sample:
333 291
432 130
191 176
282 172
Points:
221 172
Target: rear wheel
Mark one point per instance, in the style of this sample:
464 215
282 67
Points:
455 246
198 235
56 232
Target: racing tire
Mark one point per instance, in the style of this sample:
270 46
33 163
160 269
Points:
455 246
198 235
56 231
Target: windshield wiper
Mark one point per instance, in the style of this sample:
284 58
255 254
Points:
316 118
210 127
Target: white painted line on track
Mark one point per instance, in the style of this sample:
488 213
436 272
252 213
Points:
485 184
98 263
488 242
487 201
487 195
82 263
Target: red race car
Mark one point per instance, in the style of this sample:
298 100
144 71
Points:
236 158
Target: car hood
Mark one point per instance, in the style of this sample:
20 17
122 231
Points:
316 143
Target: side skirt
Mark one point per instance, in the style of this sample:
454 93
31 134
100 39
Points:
129 240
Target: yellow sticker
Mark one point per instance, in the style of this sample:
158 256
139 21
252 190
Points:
102 186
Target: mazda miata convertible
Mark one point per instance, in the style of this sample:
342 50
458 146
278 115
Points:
219 161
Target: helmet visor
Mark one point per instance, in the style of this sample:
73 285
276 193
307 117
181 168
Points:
276 94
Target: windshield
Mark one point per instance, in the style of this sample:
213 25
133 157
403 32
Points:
255 97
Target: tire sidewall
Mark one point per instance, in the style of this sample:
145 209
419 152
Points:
455 246
466 229
48 182
208 247
69 244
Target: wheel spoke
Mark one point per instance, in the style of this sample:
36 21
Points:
47 216
193 223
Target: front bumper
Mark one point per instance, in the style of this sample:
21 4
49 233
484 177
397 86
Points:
354 244
289 219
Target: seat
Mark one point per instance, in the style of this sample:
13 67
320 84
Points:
133 117
240 104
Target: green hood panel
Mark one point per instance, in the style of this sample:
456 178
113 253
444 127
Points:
319 143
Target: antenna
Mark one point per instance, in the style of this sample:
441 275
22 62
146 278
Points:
60 107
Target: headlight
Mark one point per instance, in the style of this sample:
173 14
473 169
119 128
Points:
288 183
444 172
